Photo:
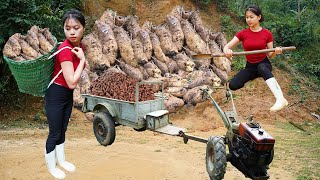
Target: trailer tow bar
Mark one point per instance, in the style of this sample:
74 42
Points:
195 138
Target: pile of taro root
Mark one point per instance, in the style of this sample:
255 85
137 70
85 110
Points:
149 52
36 43
120 86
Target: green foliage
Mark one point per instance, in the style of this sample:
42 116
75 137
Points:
295 88
222 5
238 63
228 26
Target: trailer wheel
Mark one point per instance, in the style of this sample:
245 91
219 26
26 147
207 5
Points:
104 129
216 160
141 129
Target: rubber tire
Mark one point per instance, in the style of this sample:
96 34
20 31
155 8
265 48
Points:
104 128
141 129
216 160
269 160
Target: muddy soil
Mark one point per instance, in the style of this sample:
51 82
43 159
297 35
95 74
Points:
149 155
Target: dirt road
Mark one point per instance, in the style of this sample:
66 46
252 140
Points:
134 155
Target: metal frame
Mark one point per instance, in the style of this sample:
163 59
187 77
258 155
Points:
125 112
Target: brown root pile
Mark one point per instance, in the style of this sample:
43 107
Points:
149 52
119 86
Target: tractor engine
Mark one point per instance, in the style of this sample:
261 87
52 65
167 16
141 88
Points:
252 150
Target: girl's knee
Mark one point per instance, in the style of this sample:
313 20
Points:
264 71
55 136
234 85
264 68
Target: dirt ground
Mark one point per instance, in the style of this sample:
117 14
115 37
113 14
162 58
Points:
134 155
150 155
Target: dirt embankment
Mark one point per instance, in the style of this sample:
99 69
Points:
153 11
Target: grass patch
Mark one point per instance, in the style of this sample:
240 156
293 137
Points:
281 63
307 174
298 151
25 123
238 63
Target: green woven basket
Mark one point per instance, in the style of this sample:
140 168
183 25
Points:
33 76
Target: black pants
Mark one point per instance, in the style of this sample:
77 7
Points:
58 105
250 72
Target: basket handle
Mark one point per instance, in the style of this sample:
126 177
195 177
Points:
57 52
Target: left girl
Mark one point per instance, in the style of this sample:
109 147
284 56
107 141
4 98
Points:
59 96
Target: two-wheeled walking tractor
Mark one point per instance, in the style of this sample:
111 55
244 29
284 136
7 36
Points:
250 148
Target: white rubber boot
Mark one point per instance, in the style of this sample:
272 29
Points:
51 164
61 159
281 102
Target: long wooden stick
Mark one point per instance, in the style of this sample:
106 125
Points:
299 127
208 56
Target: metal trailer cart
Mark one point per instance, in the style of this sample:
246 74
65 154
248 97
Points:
140 115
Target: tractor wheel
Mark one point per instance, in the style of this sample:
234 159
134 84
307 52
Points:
104 129
216 160
270 158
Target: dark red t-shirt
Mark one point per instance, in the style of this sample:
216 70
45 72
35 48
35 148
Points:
255 41
65 55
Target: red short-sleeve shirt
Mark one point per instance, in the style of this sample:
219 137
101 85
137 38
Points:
65 55
255 41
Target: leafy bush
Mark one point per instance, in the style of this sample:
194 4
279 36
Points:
228 26
238 63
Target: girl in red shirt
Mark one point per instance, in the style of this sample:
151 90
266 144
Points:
59 96
258 65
